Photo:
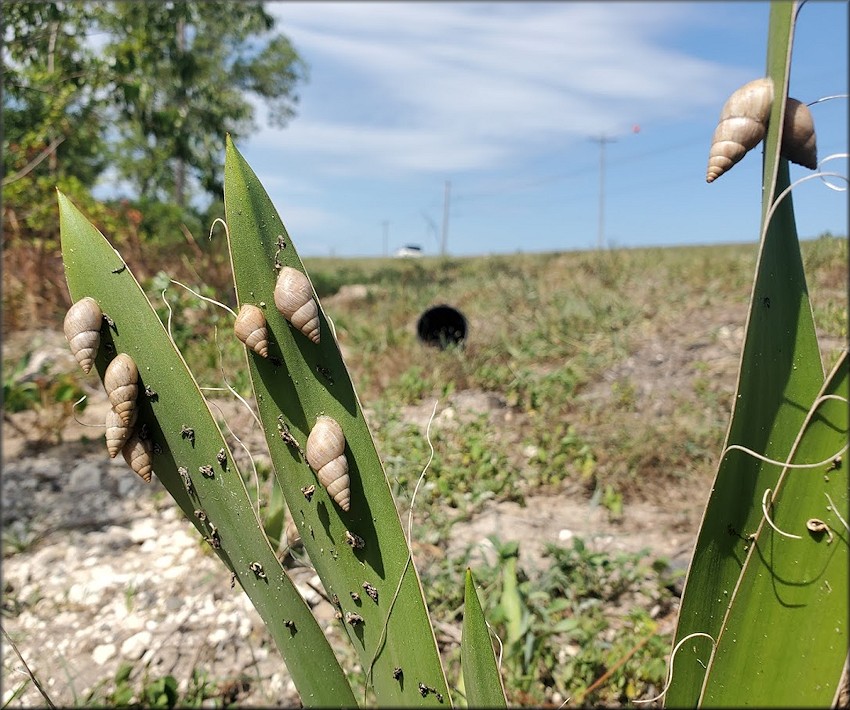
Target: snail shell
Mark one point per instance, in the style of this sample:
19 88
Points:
293 297
326 456
82 331
117 432
250 328
798 135
137 454
743 123
121 381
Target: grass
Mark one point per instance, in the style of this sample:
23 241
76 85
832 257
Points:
609 374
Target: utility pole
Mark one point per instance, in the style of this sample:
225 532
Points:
386 237
446 200
602 140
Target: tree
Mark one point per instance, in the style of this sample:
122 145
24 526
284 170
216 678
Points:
139 93
182 72
147 89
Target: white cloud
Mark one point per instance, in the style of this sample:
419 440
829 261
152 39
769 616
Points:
458 86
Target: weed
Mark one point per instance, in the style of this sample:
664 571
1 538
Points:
51 397
155 692
559 627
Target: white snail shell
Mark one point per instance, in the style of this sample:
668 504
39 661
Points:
743 123
250 328
82 331
137 454
117 432
326 456
121 381
293 297
799 144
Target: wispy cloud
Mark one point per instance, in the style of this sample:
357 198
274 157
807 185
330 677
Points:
441 87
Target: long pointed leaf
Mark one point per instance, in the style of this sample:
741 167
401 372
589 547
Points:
785 640
779 377
93 268
299 381
481 678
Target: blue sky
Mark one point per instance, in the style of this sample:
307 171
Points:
506 100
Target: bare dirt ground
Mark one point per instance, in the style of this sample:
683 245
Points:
99 568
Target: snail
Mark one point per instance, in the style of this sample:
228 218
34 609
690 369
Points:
137 454
117 432
326 455
293 297
82 331
250 328
121 381
743 123
798 135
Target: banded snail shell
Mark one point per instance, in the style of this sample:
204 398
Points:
799 144
326 456
137 454
250 328
117 432
293 297
743 123
121 381
82 331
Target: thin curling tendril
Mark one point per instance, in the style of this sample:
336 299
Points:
834 509
823 176
74 414
786 464
672 658
407 562
204 298
168 324
219 220
787 191
770 522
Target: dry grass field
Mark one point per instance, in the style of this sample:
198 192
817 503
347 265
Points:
578 427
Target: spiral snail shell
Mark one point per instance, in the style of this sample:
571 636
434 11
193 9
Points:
117 432
121 381
82 331
137 454
293 297
743 123
326 456
250 328
799 144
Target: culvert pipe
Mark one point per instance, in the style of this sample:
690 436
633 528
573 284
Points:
441 326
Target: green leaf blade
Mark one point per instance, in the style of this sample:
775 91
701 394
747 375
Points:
790 609
779 377
481 677
93 268
299 381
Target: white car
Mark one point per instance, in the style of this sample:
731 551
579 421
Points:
409 250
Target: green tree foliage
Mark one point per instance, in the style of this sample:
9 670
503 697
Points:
181 74
139 94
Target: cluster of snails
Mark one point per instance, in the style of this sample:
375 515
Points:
293 297
743 124
121 382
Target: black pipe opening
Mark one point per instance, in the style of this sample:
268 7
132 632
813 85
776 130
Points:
441 326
